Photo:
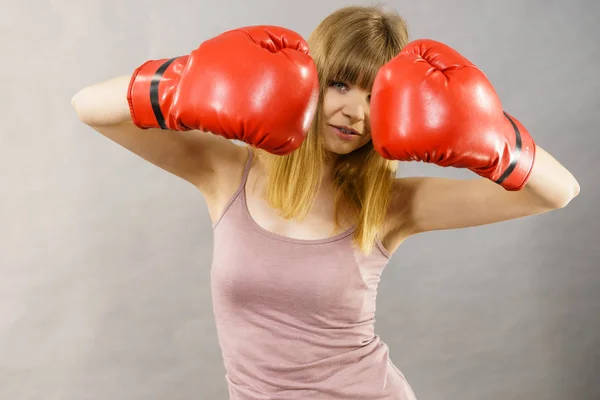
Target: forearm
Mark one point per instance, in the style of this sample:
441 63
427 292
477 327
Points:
104 103
550 181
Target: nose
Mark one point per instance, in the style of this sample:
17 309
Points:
356 109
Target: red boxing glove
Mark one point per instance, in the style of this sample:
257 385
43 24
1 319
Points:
256 84
431 104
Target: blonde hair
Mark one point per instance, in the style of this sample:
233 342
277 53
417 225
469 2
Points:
349 45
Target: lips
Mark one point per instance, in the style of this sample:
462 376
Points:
346 129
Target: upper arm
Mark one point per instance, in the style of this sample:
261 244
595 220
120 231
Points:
197 157
428 204
200 158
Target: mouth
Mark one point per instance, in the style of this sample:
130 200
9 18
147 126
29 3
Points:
346 130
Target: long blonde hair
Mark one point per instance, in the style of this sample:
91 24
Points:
349 45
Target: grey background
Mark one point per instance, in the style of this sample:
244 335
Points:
104 258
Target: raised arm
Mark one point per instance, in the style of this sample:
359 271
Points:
256 84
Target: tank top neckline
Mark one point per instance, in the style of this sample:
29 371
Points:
240 195
273 235
284 238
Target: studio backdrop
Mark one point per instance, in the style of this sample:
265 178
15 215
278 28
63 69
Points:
105 258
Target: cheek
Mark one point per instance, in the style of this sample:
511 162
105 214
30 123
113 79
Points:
329 103
366 138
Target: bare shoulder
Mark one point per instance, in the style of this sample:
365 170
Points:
226 177
399 224
226 160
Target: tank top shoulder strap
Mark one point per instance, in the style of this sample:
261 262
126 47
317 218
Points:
246 169
240 189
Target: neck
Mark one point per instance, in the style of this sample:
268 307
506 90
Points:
329 163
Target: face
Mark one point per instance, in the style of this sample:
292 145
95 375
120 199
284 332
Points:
345 109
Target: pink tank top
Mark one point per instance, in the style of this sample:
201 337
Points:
295 318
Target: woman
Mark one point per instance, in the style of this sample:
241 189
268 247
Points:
308 214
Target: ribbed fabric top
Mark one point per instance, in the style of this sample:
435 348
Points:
295 318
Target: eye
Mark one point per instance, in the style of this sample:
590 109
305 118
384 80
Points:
339 85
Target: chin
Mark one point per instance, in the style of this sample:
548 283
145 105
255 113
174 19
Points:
339 147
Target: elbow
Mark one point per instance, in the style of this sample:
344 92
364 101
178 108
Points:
573 193
78 104
95 109
568 194
103 104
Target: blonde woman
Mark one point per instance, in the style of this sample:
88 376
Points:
308 214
